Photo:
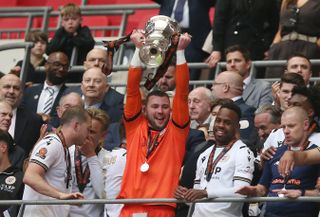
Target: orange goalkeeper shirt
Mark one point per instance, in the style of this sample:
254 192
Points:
165 161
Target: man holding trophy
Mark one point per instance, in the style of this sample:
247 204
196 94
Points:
156 135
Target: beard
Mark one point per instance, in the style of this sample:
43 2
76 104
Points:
55 80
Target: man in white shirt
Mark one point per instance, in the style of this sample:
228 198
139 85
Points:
222 168
86 161
48 175
114 162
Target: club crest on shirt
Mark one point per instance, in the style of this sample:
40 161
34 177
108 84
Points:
10 180
42 153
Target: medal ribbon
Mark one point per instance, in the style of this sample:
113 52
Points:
153 142
212 164
82 177
112 47
66 156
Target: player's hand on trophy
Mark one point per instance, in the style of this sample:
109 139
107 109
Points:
184 41
137 37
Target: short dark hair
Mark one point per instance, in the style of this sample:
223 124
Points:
298 55
7 138
156 93
244 51
220 101
76 112
292 78
312 94
233 107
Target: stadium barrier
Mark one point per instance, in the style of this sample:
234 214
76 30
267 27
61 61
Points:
24 203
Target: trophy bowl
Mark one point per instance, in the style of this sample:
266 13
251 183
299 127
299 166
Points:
158 32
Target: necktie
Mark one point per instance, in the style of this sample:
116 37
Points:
178 13
48 104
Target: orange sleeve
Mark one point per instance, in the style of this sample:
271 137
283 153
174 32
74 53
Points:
133 99
180 111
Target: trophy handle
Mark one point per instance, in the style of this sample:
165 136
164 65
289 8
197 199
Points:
113 46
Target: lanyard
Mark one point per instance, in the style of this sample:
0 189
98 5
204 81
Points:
154 141
82 177
66 156
213 163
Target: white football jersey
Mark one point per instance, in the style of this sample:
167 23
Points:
48 153
114 163
276 139
236 166
94 188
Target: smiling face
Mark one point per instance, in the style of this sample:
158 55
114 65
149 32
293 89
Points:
157 111
285 94
57 68
225 126
264 125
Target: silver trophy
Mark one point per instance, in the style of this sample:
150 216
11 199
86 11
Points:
158 32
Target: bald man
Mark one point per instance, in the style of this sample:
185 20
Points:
199 103
301 181
25 125
95 58
230 85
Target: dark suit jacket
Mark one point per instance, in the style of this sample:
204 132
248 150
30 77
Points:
252 28
32 95
112 102
198 17
27 129
248 134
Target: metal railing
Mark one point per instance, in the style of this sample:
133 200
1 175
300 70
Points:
45 13
30 13
100 11
23 203
25 65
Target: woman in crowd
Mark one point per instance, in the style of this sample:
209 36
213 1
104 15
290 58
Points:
298 32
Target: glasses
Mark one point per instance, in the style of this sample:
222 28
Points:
58 65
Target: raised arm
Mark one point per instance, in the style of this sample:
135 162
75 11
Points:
180 113
133 100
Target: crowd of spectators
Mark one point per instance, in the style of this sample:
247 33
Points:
242 137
